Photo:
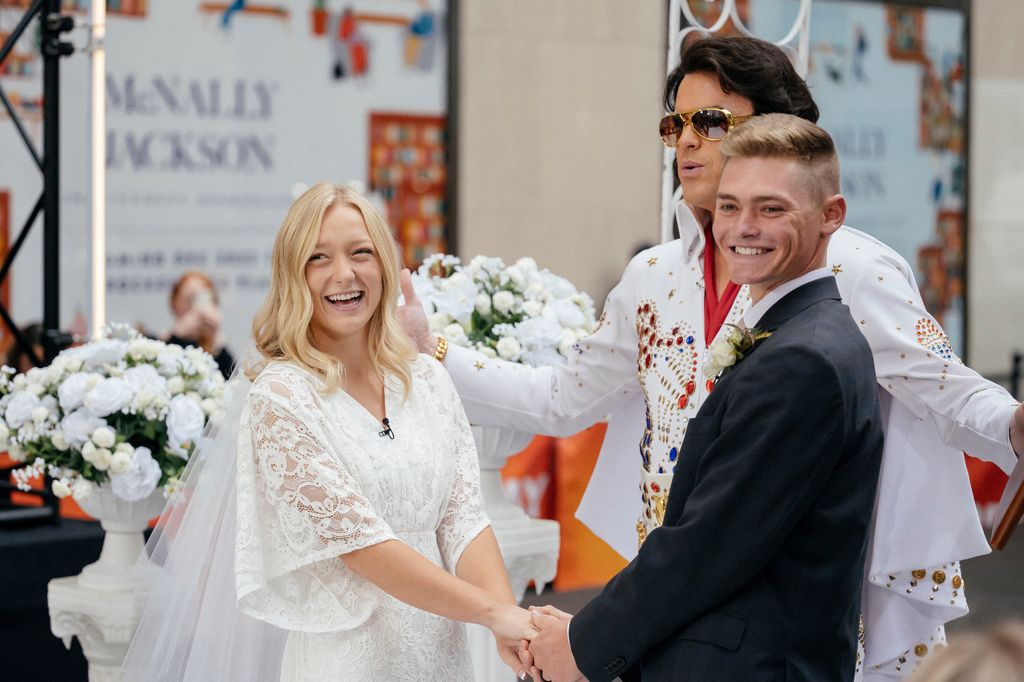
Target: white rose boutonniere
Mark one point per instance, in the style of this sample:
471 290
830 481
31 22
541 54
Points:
724 353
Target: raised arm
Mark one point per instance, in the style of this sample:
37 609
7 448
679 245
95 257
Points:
559 400
915 363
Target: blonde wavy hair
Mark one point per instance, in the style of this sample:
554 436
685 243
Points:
281 328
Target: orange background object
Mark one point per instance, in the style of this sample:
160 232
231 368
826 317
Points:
584 560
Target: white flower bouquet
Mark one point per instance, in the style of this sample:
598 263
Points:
124 410
520 312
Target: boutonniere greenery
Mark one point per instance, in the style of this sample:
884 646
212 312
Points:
726 352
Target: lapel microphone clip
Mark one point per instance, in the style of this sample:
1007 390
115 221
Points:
387 429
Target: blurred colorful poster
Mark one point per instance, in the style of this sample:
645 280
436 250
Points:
217 114
889 79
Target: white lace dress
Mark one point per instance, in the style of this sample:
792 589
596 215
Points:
316 481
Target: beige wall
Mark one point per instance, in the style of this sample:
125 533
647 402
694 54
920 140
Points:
559 158
996 256
558 101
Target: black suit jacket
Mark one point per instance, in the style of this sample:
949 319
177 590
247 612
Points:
756 572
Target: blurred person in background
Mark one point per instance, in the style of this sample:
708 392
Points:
17 357
197 318
994 655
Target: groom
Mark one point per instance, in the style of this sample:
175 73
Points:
758 565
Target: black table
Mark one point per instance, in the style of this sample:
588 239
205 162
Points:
29 559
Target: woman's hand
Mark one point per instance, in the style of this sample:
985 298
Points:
510 626
512 622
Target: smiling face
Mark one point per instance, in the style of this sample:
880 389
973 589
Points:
699 162
344 277
771 222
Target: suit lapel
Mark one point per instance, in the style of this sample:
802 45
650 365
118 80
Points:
798 300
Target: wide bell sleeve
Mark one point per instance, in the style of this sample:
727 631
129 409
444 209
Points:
464 516
298 512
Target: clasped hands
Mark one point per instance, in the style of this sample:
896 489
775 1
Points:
546 654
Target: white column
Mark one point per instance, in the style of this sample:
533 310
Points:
529 546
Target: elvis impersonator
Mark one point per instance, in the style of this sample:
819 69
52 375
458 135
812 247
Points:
643 366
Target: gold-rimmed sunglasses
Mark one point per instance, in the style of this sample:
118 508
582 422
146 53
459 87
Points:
711 123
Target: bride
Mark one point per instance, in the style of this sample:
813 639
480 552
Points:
332 528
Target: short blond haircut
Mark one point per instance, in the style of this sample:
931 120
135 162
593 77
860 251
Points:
281 327
994 655
786 136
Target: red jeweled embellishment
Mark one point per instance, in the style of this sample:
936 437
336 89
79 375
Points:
647 361
711 384
691 386
683 400
679 340
651 340
647 307
655 487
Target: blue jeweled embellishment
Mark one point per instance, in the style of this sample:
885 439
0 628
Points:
661 470
672 454
689 340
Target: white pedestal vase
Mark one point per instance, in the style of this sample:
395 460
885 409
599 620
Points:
529 546
101 606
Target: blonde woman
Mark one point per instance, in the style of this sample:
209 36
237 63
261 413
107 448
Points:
357 527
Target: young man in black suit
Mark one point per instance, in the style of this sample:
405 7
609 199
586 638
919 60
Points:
758 565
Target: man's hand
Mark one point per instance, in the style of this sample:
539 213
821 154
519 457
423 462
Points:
553 659
412 317
1017 431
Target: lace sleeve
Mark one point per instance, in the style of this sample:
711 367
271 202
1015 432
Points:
464 515
299 510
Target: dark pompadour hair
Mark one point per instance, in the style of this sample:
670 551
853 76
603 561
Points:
755 69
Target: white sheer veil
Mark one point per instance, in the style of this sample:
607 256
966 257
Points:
191 627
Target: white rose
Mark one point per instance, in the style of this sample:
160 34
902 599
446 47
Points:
185 422
145 377
532 308
58 440
176 385
503 301
104 437
126 448
140 480
78 427
103 352
509 348
101 458
516 276
109 396
455 334
40 414
169 360
35 389
61 488
88 450
209 406
20 408
567 313
527 264
81 488
559 287
120 462
72 390
483 304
